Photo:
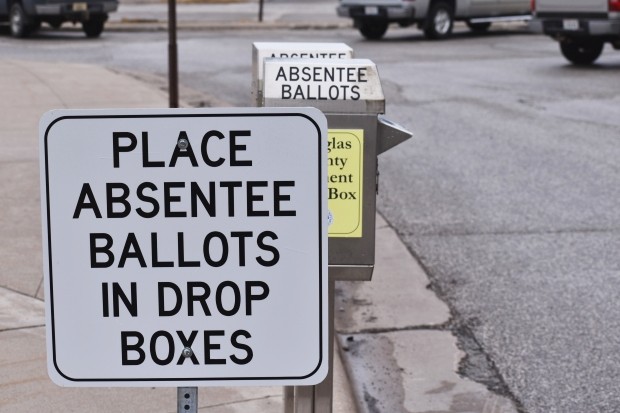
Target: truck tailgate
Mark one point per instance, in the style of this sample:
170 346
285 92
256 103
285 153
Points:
385 3
571 6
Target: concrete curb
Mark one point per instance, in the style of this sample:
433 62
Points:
136 26
395 341
230 16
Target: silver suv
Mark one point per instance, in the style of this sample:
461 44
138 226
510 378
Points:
435 17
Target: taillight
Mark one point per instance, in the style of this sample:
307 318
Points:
614 5
533 5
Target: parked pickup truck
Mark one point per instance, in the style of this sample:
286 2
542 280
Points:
26 16
435 17
582 27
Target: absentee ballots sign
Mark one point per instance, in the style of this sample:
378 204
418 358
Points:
321 80
171 230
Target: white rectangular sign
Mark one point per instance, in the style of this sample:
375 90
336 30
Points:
322 80
295 50
185 247
290 50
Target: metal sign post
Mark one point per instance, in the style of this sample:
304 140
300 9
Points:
187 399
317 398
173 66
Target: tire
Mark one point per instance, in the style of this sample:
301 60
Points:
440 21
478 27
581 53
20 23
93 27
373 29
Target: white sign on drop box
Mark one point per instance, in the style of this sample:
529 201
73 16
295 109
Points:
151 247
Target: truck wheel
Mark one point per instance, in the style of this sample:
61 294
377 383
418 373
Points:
478 27
439 21
373 29
93 27
581 53
20 26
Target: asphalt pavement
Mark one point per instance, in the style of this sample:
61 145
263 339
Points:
395 350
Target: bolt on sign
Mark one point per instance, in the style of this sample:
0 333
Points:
185 247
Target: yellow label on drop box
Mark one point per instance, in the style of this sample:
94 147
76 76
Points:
345 182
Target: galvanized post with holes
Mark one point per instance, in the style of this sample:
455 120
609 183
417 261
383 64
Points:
187 399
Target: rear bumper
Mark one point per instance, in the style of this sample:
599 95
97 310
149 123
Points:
575 26
75 11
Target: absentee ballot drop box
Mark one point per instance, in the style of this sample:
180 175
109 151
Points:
349 93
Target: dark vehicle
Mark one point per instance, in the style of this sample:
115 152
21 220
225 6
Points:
26 16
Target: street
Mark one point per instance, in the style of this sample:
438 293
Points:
507 193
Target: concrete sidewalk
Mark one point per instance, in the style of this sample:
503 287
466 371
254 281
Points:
29 89
397 352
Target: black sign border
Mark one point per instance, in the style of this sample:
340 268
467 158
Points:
320 139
